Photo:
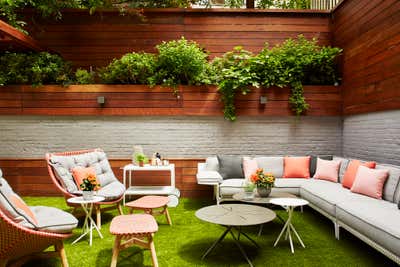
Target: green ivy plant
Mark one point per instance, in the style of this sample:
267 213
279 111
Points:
234 74
83 76
132 68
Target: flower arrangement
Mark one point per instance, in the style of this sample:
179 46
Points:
89 183
262 179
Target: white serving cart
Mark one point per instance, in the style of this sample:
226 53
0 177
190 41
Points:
170 190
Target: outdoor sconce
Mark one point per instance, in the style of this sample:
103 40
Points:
101 100
263 100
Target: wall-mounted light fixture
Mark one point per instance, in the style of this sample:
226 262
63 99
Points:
263 100
101 100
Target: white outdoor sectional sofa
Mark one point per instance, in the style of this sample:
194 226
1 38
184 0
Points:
376 222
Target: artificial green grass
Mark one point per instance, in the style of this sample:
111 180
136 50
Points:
183 243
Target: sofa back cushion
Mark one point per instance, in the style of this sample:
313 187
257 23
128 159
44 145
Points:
343 167
63 165
230 166
392 182
272 165
369 182
212 164
351 171
296 167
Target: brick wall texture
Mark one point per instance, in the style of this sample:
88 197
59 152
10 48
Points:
373 136
173 137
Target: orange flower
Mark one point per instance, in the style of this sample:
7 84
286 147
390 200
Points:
254 177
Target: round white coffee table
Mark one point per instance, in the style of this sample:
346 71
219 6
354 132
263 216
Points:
234 216
289 204
89 224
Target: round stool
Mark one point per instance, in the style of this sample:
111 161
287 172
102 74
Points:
135 229
149 203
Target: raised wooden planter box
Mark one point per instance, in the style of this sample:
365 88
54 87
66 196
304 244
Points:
141 100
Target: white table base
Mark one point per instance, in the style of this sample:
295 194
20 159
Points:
89 224
289 228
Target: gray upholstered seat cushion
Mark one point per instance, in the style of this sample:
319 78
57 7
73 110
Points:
63 165
231 186
273 165
54 220
290 185
8 207
112 191
391 184
324 194
377 219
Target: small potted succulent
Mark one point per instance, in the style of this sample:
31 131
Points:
88 186
141 159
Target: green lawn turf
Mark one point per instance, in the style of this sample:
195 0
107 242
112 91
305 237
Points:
183 243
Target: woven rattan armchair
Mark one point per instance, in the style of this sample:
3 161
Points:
116 203
18 244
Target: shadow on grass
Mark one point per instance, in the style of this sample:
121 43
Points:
224 254
132 256
198 204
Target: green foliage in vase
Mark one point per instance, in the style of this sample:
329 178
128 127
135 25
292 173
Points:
234 74
180 62
34 68
83 76
286 4
132 68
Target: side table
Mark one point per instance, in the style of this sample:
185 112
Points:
289 204
89 224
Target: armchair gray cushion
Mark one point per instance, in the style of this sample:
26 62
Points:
112 191
54 220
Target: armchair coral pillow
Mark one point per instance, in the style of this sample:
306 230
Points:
80 173
296 167
21 205
328 170
369 182
250 166
351 171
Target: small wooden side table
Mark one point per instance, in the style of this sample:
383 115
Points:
89 224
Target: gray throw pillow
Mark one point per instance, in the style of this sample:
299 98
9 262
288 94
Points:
230 167
313 163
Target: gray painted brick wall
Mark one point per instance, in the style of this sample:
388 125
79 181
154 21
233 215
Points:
373 136
186 137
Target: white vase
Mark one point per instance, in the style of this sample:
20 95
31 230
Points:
87 195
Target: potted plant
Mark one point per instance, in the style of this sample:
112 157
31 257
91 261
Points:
88 186
248 188
263 181
141 159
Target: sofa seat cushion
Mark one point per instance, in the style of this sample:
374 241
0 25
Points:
231 186
54 220
324 194
112 191
290 185
377 219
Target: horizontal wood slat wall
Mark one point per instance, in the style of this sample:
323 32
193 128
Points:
95 40
142 100
29 177
369 33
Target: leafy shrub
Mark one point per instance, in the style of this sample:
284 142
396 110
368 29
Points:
294 4
160 3
34 68
132 68
84 77
180 62
234 73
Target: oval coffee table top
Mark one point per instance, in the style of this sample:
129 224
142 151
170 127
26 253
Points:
289 202
235 214
256 199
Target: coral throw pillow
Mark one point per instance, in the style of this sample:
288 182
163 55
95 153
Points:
20 204
369 182
80 173
328 170
296 167
249 167
351 171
